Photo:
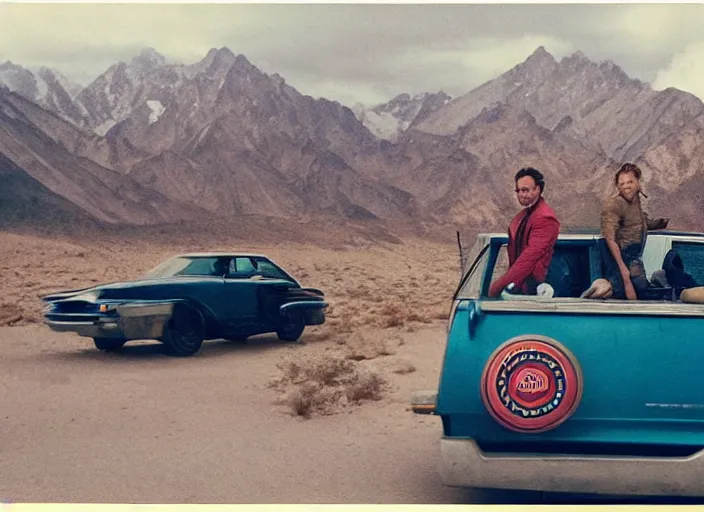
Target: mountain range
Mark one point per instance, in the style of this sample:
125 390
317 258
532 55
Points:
155 142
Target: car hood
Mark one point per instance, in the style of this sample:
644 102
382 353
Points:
121 285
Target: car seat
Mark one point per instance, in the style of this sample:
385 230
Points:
675 273
559 275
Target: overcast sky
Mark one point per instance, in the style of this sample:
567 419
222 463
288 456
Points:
363 52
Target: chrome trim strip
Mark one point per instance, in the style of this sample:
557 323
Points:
594 307
58 323
131 310
303 304
89 329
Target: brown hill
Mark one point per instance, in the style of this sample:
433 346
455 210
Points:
219 141
26 203
103 193
255 145
608 110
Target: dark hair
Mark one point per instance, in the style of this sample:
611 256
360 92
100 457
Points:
626 168
533 173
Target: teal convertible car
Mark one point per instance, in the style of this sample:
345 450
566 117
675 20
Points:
574 390
190 298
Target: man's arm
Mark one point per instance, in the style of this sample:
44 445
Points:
543 236
610 218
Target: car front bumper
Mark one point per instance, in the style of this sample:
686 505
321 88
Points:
102 328
464 464
132 322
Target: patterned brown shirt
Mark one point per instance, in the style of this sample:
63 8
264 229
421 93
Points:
625 222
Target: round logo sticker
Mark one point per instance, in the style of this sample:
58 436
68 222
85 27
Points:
531 384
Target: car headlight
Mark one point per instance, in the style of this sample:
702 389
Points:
107 308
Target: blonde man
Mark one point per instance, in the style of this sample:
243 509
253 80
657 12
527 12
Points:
624 226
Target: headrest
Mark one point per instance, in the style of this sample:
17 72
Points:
672 260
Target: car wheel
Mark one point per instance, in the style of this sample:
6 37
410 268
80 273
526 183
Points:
184 334
292 329
108 344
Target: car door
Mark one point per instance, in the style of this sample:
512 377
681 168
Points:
274 290
242 297
691 250
637 373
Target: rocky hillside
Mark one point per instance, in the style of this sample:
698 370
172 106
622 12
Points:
390 120
153 141
57 155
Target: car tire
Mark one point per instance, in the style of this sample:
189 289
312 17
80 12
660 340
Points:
108 344
292 329
184 334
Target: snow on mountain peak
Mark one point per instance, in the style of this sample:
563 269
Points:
157 109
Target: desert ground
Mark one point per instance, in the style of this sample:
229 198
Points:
325 420
322 420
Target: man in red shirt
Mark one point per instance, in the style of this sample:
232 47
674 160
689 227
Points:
531 236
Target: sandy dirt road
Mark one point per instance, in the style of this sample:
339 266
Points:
79 425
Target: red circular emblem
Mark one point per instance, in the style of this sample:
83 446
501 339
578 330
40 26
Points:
531 384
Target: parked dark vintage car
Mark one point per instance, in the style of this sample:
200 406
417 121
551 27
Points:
188 299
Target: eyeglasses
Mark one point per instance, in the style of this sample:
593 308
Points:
524 190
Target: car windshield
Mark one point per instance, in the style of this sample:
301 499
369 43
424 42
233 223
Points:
183 266
473 270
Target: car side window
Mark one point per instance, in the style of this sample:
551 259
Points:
692 255
199 267
244 265
267 269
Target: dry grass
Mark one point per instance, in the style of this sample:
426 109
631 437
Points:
404 368
375 292
11 314
384 286
325 385
362 346
311 397
365 387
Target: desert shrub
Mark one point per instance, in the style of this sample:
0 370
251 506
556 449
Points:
360 348
405 368
365 387
323 386
329 371
301 399
393 315
10 314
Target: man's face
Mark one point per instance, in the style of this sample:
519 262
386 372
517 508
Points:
628 185
527 191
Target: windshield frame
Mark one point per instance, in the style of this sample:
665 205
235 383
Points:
170 268
477 255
